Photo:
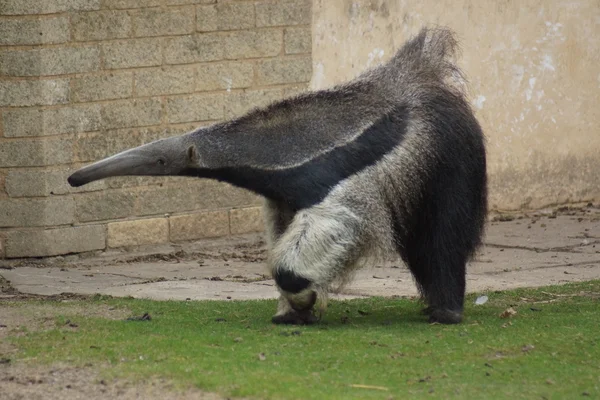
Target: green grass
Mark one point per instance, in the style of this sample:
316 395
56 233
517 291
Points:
553 353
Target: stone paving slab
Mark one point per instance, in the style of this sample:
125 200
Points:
579 232
523 252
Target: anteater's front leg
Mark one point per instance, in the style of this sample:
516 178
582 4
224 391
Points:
315 249
286 314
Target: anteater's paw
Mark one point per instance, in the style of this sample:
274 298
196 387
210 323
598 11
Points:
293 317
427 311
442 316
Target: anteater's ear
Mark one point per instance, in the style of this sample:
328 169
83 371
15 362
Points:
192 155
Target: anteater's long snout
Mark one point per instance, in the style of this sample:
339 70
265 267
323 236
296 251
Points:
127 163
163 157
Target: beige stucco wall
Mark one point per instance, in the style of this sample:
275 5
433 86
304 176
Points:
534 72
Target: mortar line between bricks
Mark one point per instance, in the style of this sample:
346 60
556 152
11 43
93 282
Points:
565 249
72 36
33 17
105 70
233 91
102 102
44 46
122 40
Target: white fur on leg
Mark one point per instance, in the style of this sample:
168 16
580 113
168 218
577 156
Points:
283 306
318 245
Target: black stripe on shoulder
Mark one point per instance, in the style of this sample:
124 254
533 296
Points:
308 184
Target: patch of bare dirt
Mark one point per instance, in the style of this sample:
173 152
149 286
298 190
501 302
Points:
20 382
16 318
584 210
6 289
241 254
23 381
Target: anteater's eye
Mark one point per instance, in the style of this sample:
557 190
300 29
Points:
161 162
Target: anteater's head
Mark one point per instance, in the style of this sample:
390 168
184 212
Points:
164 157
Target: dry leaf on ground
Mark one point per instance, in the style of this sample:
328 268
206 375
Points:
509 312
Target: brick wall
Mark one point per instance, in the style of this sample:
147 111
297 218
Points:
83 79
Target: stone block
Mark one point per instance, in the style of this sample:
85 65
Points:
21 7
197 107
194 48
23 182
56 121
125 4
253 44
163 22
35 153
282 13
233 16
206 18
26 183
167 80
37 212
297 40
132 53
101 25
200 194
246 220
165 199
107 86
199 225
211 194
236 104
230 75
50 61
105 205
135 181
26 31
131 113
138 232
287 70
53 242
33 93
92 147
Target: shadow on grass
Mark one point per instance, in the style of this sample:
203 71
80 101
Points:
373 312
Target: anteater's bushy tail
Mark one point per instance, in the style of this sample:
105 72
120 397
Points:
429 56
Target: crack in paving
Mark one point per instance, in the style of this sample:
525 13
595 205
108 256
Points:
114 274
563 249
151 280
256 255
591 263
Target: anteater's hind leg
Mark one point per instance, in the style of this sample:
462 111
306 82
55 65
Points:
440 276
315 248
437 250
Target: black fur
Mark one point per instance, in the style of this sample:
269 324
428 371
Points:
308 184
445 226
289 281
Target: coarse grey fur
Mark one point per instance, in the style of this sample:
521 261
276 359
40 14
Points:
391 163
